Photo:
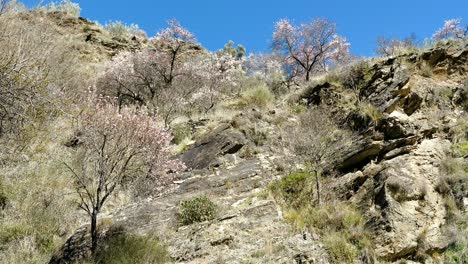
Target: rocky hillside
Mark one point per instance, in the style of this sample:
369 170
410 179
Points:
404 174
179 154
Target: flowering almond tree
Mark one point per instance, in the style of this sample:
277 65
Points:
171 77
155 77
452 29
215 74
310 47
117 147
173 42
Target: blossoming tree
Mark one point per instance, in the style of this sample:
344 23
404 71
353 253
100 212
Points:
171 77
310 47
117 147
452 29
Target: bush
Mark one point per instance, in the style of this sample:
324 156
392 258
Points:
126 248
294 189
455 183
259 96
258 136
355 77
341 226
66 6
13 232
180 132
198 209
121 30
340 248
457 252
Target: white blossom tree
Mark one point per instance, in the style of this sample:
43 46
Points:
117 147
310 47
452 29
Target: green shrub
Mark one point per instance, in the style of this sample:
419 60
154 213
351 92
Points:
457 252
356 76
461 149
298 108
258 136
295 189
126 249
180 132
259 96
455 183
10 233
86 28
340 224
340 248
198 209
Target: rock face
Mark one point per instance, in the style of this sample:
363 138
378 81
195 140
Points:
222 140
404 210
249 227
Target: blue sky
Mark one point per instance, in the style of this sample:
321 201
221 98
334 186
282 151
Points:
251 22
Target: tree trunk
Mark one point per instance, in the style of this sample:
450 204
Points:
307 76
317 183
94 232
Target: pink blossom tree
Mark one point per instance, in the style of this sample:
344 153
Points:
155 77
117 147
173 43
310 47
215 74
452 29
172 77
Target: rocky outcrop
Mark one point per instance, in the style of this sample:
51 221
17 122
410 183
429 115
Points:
222 140
403 208
249 227
447 59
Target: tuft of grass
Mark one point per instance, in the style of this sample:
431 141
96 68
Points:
259 96
293 189
371 111
127 248
121 30
340 224
465 95
180 132
340 248
457 252
198 209
426 70
13 232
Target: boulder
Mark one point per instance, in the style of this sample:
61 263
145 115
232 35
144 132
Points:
204 153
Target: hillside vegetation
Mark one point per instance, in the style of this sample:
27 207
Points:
116 147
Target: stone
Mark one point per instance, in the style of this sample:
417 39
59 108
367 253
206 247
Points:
221 141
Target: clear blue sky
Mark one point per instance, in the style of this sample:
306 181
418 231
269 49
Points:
251 22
